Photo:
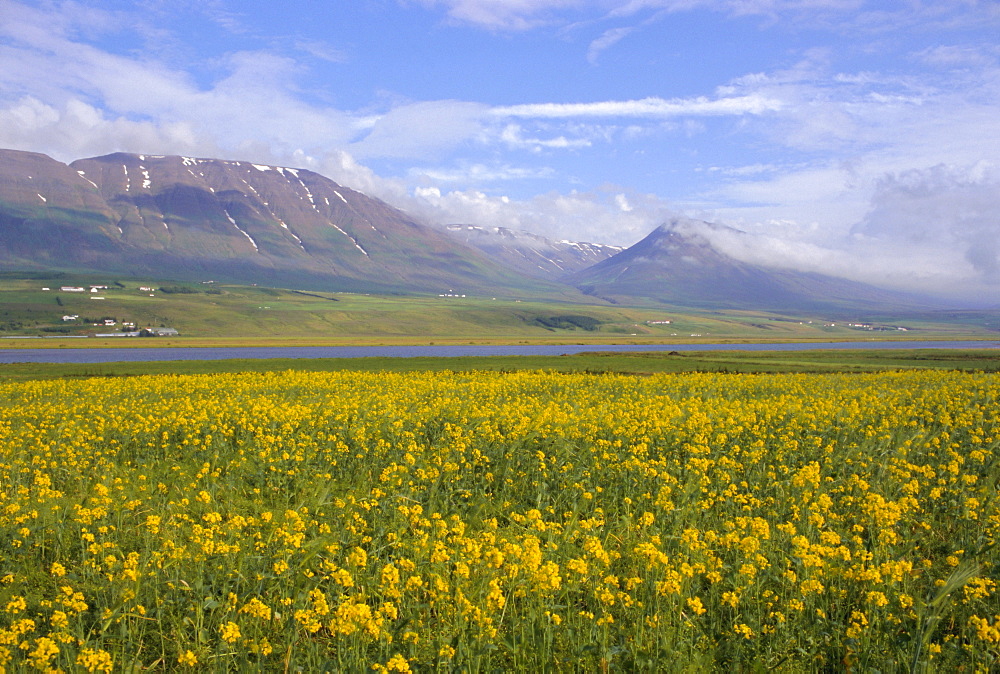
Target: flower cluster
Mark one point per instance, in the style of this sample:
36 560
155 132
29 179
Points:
526 521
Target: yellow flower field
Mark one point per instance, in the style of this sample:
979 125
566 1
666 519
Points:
484 521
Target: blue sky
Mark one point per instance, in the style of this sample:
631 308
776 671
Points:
850 137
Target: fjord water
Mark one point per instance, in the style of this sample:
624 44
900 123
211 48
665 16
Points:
111 355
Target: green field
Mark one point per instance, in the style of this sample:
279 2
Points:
214 314
639 363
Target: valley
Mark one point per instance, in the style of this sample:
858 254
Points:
211 313
224 251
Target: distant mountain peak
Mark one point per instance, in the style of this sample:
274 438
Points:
678 263
533 254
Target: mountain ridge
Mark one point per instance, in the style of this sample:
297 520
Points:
678 264
212 219
234 220
533 254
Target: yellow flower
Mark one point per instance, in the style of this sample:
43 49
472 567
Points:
59 620
45 650
985 630
397 663
694 603
257 609
16 605
357 557
187 658
230 632
877 598
95 660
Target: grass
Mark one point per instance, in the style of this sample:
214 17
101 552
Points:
215 314
638 363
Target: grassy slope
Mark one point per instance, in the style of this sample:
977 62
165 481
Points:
241 315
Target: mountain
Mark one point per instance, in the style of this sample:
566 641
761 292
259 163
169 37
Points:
532 254
186 218
50 216
199 219
677 264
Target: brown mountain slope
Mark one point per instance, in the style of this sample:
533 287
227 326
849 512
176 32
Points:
191 218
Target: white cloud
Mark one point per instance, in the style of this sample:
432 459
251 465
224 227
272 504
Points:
793 193
479 173
942 208
846 14
513 136
343 168
505 15
253 100
321 50
919 270
254 97
607 40
77 130
652 107
97 102
748 170
931 231
629 7
607 215
417 130
955 56
517 15
838 134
